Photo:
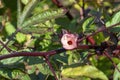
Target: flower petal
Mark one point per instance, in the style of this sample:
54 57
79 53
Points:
69 41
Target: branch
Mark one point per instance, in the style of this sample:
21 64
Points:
100 30
51 68
49 53
26 11
43 54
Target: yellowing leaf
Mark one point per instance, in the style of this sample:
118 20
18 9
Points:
87 71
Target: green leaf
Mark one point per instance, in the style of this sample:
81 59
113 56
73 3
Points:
19 75
9 28
19 10
73 57
46 41
41 28
87 24
4 74
44 16
116 75
115 19
39 63
20 37
36 29
61 59
12 71
44 68
99 37
13 74
87 70
104 64
26 11
11 60
70 59
25 77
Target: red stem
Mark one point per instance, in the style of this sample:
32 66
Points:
91 40
43 54
118 47
56 2
49 53
100 30
51 68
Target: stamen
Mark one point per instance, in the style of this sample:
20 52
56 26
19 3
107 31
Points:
70 42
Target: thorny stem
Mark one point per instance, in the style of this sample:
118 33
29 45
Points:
111 60
50 66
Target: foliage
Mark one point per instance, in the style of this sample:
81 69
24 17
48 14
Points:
36 26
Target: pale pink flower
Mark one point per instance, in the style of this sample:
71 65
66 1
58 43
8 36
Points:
69 41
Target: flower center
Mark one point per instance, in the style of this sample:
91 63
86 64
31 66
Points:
69 42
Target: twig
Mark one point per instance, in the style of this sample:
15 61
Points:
50 66
8 49
10 39
111 60
100 30
43 54
58 4
49 53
